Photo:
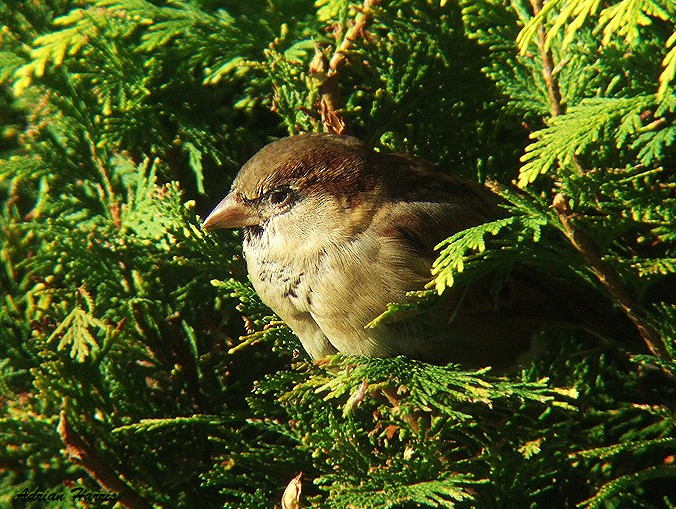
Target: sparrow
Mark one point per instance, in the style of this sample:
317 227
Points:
334 231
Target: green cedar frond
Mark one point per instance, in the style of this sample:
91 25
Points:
564 9
626 16
583 126
453 251
396 310
431 387
173 424
80 27
9 63
616 489
21 170
623 18
262 324
74 331
439 493
225 42
249 301
659 266
470 243
328 10
634 446
292 101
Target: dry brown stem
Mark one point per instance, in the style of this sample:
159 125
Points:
331 100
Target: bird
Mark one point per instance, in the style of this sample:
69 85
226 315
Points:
334 231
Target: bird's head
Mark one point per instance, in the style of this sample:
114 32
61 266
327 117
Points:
307 181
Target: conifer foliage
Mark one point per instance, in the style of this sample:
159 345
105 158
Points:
139 368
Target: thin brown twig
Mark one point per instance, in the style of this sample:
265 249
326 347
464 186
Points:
607 277
331 100
80 450
549 74
548 66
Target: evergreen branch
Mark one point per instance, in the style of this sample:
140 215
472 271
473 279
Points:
632 446
607 277
363 19
76 333
625 17
79 449
585 125
331 100
440 493
80 26
173 424
556 105
269 333
621 484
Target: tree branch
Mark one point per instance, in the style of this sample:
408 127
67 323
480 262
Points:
81 451
608 278
585 246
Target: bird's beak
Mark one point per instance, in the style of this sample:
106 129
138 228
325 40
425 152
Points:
232 212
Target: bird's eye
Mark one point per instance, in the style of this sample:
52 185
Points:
280 197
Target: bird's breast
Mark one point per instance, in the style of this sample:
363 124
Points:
282 277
